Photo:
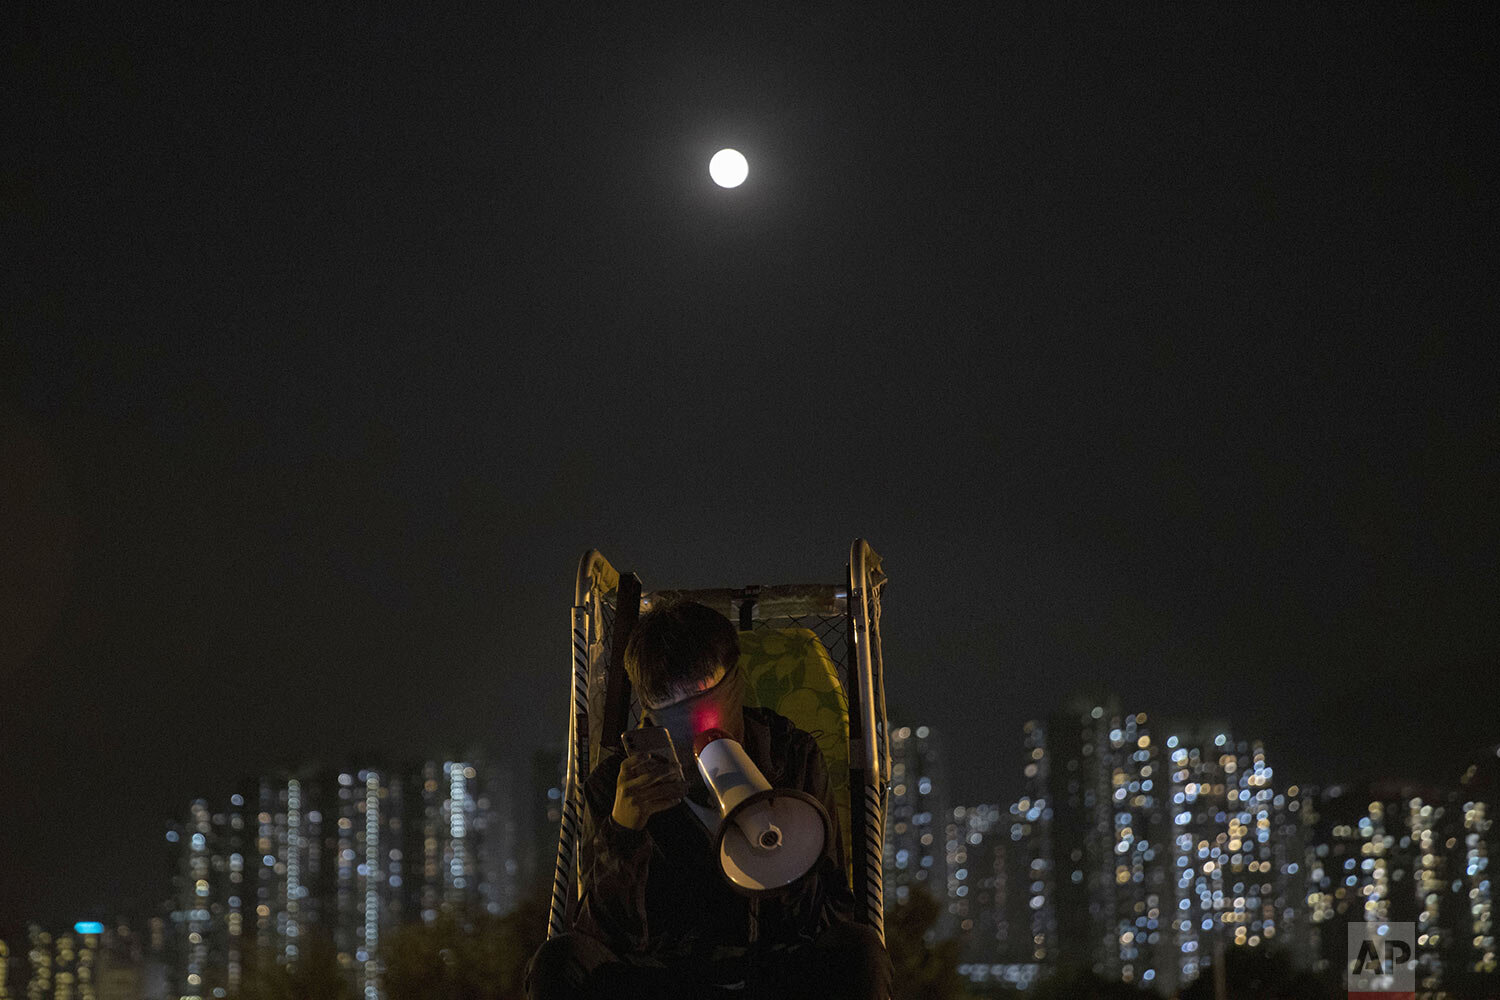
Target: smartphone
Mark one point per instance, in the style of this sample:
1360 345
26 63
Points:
653 740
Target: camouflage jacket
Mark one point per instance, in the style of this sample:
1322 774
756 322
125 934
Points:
658 890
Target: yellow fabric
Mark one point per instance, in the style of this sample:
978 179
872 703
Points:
790 672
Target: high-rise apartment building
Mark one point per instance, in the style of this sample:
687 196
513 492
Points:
1198 786
1103 786
917 818
1478 799
293 861
1081 832
369 866
1030 897
40 954
975 857
212 892
1007 918
65 966
1137 932
463 813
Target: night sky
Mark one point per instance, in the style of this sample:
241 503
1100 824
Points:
1152 348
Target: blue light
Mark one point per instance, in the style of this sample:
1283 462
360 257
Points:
88 927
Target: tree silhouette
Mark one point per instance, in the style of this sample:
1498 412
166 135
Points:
1262 974
458 957
1071 982
316 975
921 971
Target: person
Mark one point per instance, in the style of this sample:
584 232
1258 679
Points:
657 918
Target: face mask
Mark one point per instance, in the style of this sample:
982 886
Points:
717 708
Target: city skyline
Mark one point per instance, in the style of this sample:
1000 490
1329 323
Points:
1015 902
1007 788
1141 847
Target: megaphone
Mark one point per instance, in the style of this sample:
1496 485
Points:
767 837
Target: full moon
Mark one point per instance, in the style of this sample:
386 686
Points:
728 168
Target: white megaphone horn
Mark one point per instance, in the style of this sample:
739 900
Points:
768 837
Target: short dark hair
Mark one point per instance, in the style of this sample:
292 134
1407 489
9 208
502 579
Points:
675 647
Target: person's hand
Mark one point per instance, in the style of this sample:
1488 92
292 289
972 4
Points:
647 785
